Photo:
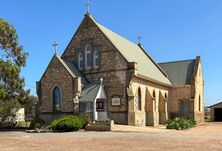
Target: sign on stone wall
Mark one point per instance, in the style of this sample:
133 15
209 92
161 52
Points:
115 101
76 100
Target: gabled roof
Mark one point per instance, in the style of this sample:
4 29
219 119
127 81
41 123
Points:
89 93
179 72
71 66
73 71
214 105
133 53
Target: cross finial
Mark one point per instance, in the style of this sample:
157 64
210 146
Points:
101 81
55 45
139 38
88 6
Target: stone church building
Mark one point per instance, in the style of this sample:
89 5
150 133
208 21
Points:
108 77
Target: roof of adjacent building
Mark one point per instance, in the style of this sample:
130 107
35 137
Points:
89 93
179 72
133 53
215 105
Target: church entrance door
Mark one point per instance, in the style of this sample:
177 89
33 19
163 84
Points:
185 109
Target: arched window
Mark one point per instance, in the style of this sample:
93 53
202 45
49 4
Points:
80 61
88 57
154 94
165 95
139 99
96 59
154 99
57 99
199 107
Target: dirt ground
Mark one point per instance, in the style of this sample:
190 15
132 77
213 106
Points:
205 137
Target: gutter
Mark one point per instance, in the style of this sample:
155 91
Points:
155 81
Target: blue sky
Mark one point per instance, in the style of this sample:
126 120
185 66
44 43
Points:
170 29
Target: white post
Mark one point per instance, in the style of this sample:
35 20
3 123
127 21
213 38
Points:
95 114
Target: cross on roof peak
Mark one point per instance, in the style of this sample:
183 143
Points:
139 38
55 45
88 6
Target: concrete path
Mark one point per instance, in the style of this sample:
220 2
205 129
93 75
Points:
147 129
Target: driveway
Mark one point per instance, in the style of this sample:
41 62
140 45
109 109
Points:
205 137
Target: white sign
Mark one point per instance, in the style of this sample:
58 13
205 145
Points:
75 100
116 101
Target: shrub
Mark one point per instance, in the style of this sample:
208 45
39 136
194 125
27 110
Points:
36 123
180 124
68 123
22 124
86 117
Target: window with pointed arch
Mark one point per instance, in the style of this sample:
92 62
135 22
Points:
166 97
57 98
80 61
139 99
154 98
96 59
88 56
154 94
199 104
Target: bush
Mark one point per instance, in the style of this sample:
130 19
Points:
36 123
180 124
68 123
86 117
22 124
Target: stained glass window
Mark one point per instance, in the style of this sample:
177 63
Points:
57 98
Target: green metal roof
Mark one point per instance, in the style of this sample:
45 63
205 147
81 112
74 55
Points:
179 72
89 93
71 68
133 53
76 71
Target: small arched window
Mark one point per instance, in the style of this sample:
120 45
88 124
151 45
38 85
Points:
154 99
139 99
88 56
96 59
57 99
154 94
165 95
199 103
80 61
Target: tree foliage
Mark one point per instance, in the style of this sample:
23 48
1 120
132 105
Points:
12 60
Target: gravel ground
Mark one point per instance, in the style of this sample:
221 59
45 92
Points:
205 137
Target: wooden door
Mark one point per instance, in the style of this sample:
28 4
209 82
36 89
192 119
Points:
185 109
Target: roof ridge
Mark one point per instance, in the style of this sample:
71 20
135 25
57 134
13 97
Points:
130 52
65 65
177 61
134 46
111 30
117 34
156 64
75 70
214 104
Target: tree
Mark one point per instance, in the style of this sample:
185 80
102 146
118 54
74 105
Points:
30 107
12 60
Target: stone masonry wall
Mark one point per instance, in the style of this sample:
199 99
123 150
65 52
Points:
113 67
56 75
189 93
176 95
140 118
198 88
